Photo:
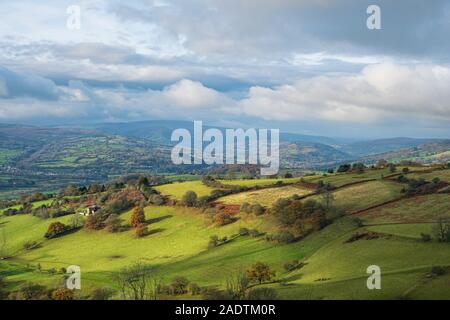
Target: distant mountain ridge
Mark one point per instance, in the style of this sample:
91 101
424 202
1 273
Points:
372 147
161 130
431 152
45 158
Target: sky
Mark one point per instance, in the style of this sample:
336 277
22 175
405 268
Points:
311 67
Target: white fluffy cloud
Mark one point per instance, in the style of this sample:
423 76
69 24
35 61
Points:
378 91
193 94
78 100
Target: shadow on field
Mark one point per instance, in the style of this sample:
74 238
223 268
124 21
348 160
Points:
154 231
3 223
158 219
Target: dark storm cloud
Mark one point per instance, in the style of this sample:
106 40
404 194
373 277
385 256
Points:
13 85
272 28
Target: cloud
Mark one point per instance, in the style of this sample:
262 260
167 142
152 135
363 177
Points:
78 100
193 94
286 60
378 91
14 85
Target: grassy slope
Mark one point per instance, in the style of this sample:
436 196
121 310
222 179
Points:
444 175
340 179
23 228
264 197
365 195
178 189
35 204
258 182
418 209
178 247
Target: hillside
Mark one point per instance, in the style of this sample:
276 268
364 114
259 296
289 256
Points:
379 223
43 159
430 152
373 147
310 155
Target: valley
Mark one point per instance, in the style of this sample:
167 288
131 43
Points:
373 218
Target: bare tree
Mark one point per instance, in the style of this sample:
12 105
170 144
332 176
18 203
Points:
327 196
441 230
237 285
137 282
2 243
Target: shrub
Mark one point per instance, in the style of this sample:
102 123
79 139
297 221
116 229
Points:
30 292
223 218
102 294
203 201
213 241
257 209
295 197
77 221
357 221
358 167
260 272
344 168
441 230
425 237
137 217
179 285
216 193
262 294
213 293
245 207
405 170
438 270
293 265
189 199
54 229
254 233
288 175
113 223
156 199
29 245
62 294
193 288
283 237
95 222
141 230
124 201
243 232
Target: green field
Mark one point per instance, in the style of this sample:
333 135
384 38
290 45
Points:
258 182
418 209
178 239
35 204
177 190
443 175
7 154
265 197
341 179
365 195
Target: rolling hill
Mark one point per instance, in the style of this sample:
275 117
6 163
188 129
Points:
334 259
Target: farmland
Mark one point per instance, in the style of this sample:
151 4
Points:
176 190
265 197
258 182
365 195
177 243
